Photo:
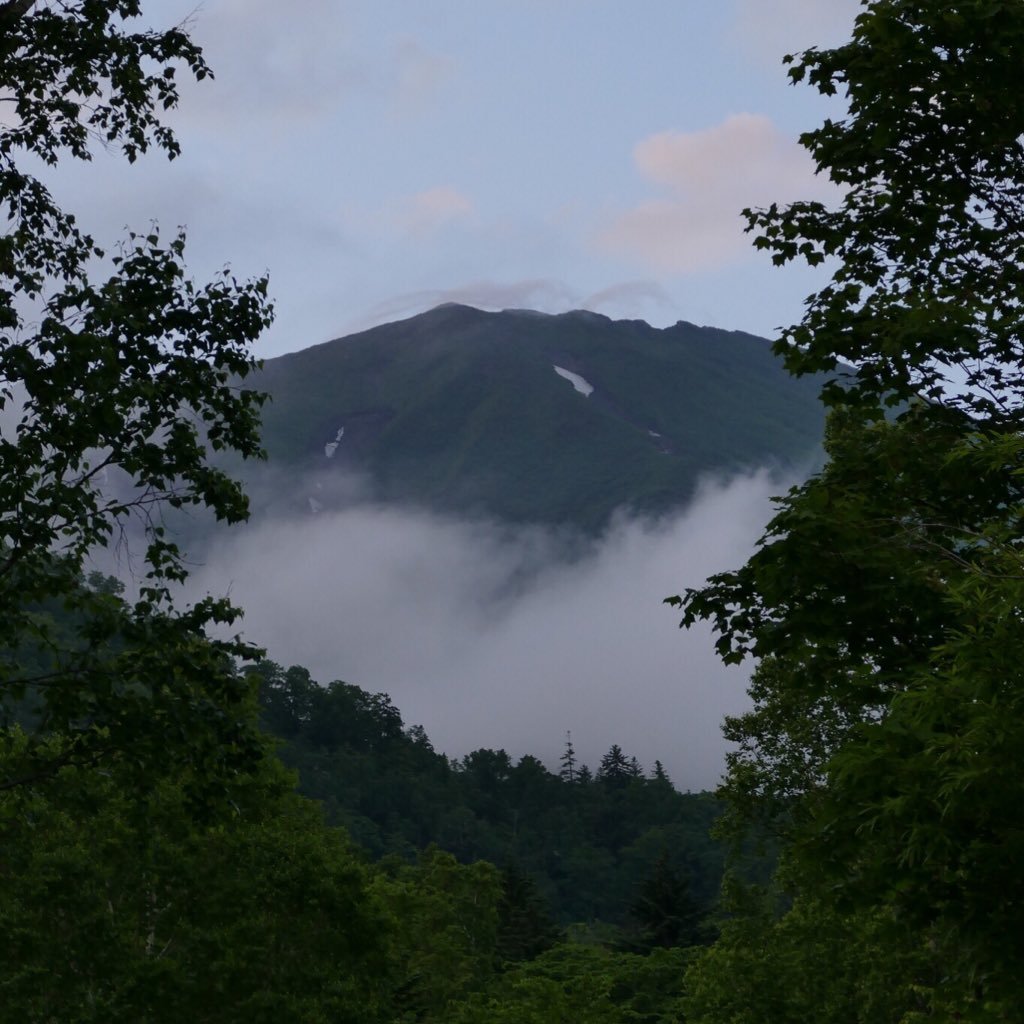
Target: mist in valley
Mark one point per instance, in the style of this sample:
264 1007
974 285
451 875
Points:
502 637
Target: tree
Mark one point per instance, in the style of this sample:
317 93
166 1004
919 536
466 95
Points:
265 914
925 297
811 963
525 926
446 929
581 984
288 698
568 772
666 914
884 600
121 386
351 717
615 767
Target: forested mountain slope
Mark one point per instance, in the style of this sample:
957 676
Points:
589 838
527 417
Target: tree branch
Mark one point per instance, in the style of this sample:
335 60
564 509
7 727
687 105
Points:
11 10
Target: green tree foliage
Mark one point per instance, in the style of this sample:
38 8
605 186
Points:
118 375
884 601
665 913
525 927
155 864
445 929
574 984
115 912
586 844
925 296
810 964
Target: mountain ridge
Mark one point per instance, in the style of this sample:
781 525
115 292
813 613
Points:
533 417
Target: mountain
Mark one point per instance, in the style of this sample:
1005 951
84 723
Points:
527 417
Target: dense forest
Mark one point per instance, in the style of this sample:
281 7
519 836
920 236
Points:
401 886
590 842
471 879
159 860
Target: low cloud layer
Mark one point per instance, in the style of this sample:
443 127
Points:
543 294
492 637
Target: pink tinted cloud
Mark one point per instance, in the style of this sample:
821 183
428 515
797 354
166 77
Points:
706 179
420 77
430 210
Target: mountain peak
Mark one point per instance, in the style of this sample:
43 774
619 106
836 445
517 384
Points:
528 416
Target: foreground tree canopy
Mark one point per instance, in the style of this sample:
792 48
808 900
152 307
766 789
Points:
118 375
885 745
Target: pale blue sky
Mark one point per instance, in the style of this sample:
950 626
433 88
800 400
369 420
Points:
381 156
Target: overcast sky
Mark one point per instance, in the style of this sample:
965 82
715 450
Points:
381 156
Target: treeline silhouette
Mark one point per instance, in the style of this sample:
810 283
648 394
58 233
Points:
596 844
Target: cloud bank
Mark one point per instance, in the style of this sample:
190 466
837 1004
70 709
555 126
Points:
494 637
285 67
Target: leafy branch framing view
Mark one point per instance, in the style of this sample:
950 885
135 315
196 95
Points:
884 603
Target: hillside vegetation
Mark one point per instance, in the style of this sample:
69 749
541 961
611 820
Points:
459 410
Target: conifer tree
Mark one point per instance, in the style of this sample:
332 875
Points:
525 927
614 767
568 772
667 914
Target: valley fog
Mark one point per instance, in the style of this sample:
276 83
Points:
491 636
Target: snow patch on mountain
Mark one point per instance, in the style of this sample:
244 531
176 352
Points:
332 446
581 384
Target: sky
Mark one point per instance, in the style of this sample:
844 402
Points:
378 157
